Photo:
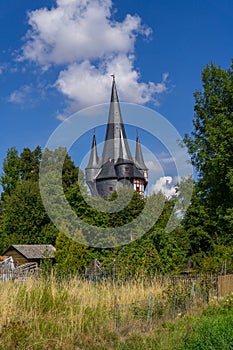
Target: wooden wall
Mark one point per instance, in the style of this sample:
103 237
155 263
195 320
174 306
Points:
225 285
17 257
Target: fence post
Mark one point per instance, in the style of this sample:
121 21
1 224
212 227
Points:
174 304
149 308
217 286
192 291
115 313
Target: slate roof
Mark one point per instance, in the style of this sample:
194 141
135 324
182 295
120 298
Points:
116 151
107 171
34 251
138 173
138 156
94 159
115 127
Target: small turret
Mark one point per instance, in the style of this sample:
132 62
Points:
92 167
139 159
124 166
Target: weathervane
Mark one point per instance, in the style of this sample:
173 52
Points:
113 76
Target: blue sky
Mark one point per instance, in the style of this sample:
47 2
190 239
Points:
57 56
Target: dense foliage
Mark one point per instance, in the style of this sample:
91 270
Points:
25 221
209 220
204 240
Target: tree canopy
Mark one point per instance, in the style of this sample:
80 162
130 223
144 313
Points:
204 240
209 219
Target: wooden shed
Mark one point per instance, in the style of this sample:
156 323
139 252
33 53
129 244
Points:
26 253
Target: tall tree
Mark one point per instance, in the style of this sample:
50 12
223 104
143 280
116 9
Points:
23 218
71 256
30 163
11 171
210 146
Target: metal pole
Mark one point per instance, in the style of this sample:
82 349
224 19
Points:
149 308
217 291
174 303
115 313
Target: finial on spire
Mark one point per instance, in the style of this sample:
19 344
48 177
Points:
113 77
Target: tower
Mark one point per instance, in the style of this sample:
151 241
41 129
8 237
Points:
116 167
93 167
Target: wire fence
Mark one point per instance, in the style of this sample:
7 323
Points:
181 296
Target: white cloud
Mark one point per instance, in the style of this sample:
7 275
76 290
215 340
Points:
77 30
164 162
162 87
167 185
19 96
83 38
153 166
87 83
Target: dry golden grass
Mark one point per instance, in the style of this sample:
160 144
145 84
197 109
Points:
75 314
38 312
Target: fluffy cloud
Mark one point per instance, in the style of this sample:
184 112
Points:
77 30
78 79
167 185
88 44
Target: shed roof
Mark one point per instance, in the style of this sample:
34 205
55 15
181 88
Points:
33 251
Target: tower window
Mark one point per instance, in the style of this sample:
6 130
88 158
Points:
110 189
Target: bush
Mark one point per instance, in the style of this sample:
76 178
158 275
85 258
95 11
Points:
211 332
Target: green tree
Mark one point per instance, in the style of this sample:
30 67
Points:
71 257
210 217
30 163
24 218
11 171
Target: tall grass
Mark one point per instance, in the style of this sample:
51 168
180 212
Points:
46 314
74 314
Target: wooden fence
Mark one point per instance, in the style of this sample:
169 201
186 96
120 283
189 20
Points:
224 285
20 273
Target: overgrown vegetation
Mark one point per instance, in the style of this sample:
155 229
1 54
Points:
75 314
202 242
66 313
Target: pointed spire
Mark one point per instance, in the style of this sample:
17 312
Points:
94 159
115 126
138 154
123 155
114 95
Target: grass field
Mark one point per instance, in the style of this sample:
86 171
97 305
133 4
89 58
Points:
74 314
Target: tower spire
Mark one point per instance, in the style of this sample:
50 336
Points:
114 95
138 154
123 155
115 127
116 167
94 159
